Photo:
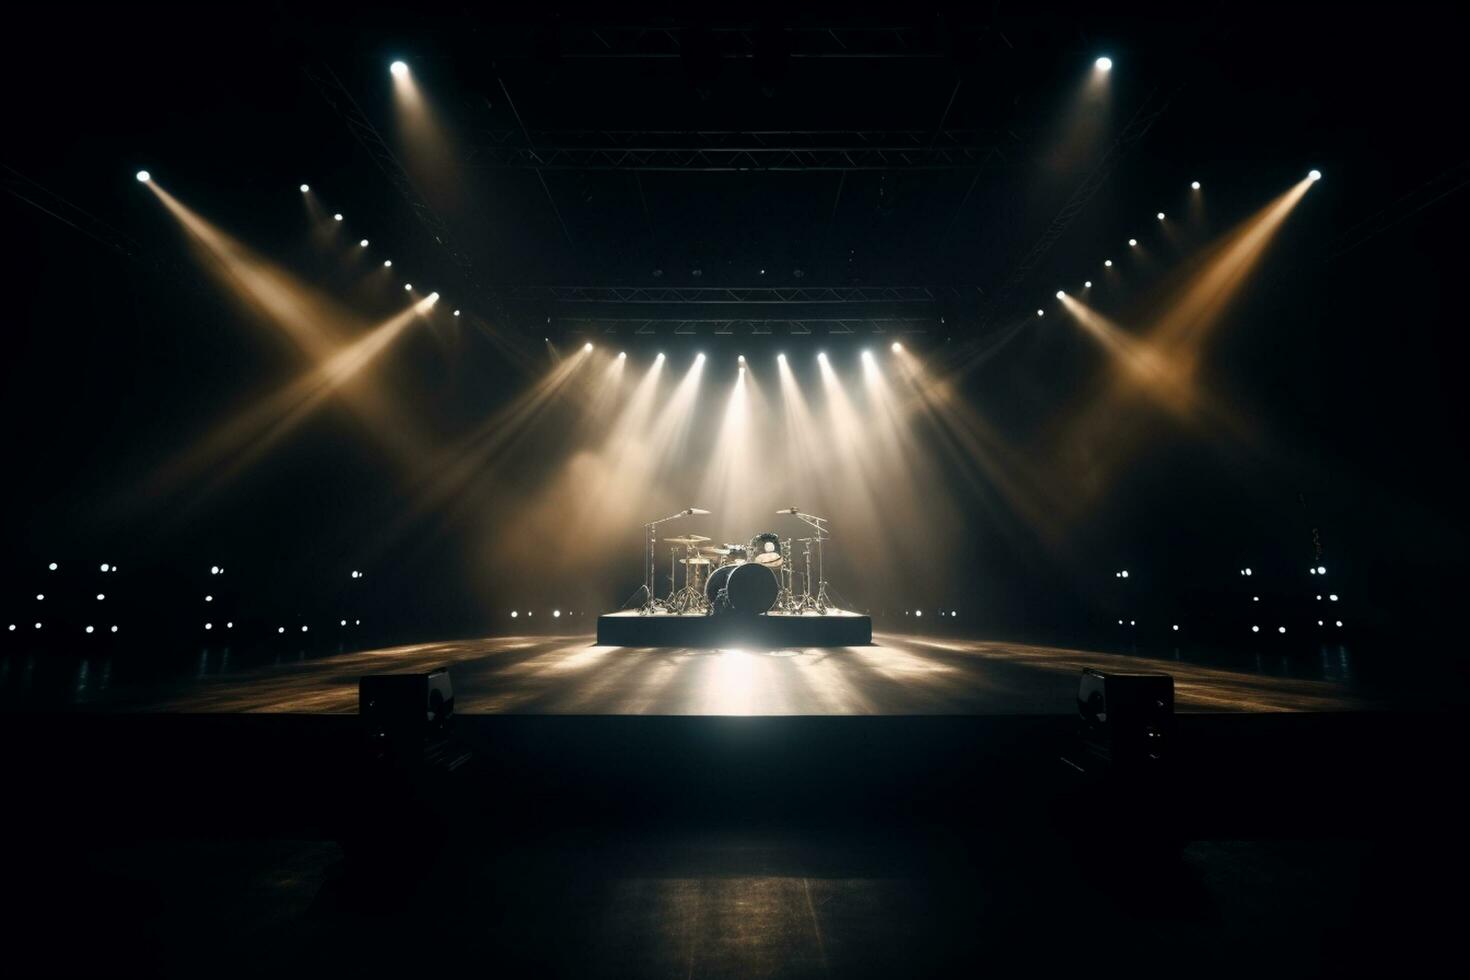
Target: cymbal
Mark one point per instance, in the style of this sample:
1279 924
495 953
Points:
694 561
714 551
688 539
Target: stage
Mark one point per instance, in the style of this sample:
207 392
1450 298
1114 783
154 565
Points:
836 628
898 674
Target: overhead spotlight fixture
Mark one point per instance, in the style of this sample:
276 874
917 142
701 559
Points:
407 286
434 297
1194 185
52 566
456 312
1087 284
1314 175
1321 569
660 356
1041 313
1104 63
868 355
740 358
1160 216
897 347
363 243
698 358
622 354
1132 243
822 356
337 216
588 346
144 176
1108 263
387 263
1060 294
399 69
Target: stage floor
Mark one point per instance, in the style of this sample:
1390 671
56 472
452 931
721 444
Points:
897 675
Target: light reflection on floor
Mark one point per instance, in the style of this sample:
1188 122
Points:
898 675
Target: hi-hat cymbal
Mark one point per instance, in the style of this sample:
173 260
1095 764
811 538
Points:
694 561
688 539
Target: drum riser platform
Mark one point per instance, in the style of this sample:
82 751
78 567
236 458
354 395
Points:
628 629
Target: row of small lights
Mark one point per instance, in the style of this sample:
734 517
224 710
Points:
1314 176
699 358
1254 629
1315 570
144 177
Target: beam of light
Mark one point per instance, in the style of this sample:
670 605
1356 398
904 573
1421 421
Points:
734 477
428 150
316 325
241 440
1149 368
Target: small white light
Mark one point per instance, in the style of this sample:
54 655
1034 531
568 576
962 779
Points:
1160 216
399 69
1332 597
38 626
1087 284
513 614
105 566
100 597
1321 569
1176 627
209 598
407 286
387 263
303 629
343 623
12 627
1311 571
1315 175
588 346
1060 294
363 243
1194 184
1319 622
357 622
1108 263
1041 313
144 177
280 629
741 357
1281 629
209 626
1247 571
1120 622
40 596
896 347
337 216
434 296
699 358
1339 622
918 612
114 629
1255 598
1255 629
1103 64
305 188
89 629
1133 242
954 612
52 566
456 312
230 625
556 614
1124 573
622 354
214 569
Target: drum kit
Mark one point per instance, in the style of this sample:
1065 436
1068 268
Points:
733 578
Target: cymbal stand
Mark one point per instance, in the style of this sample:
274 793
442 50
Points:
690 598
786 600
820 601
651 602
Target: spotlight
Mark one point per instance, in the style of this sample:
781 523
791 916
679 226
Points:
1339 623
556 614
622 355
513 614
407 286
40 597
1041 313
1194 184
1160 216
52 566
919 613
1132 243
280 629
342 623
38 626
1108 263
100 597
1281 629
337 216
1321 569
1332 597
104 566
1255 629
1175 627
209 626
1103 64
1247 571
1060 294
434 297
1087 284
398 68
588 346
228 626
305 188
387 263
897 347
781 358
1314 175
868 356
303 629
363 243
89 629
741 358
822 356
456 312
1124 573
660 356
144 176
114 629
698 358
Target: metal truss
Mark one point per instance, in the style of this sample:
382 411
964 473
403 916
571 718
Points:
749 326
730 41
733 150
731 295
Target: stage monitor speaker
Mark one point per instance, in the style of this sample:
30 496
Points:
406 717
1127 718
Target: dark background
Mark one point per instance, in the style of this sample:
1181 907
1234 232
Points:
1340 352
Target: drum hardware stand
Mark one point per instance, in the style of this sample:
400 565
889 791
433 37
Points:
652 603
691 598
821 602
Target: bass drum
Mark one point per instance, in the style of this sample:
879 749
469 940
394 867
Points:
747 589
